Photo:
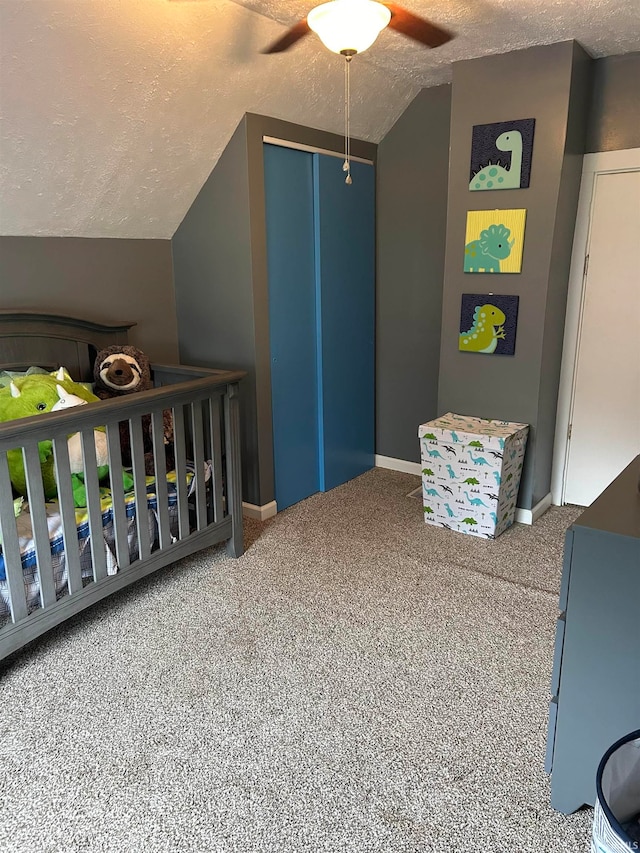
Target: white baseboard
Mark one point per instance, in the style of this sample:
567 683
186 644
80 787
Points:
262 513
398 465
528 516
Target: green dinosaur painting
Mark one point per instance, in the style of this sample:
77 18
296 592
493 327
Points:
488 324
486 331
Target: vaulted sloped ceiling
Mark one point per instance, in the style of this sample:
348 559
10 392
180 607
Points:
114 112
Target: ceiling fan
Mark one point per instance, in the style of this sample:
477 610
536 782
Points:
351 26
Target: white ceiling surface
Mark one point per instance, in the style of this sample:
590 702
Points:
114 112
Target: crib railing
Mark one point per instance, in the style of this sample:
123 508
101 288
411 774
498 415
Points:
206 504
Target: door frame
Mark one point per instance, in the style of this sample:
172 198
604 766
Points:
313 149
604 162
325 388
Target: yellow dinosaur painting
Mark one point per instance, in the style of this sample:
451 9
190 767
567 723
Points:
494 241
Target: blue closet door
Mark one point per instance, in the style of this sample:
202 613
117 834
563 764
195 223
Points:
321 268
289 184
345 262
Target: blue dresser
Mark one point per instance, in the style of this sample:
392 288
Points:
595 683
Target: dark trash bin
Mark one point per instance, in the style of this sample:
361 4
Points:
616 820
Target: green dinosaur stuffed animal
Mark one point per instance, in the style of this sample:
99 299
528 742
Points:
67 401
33 395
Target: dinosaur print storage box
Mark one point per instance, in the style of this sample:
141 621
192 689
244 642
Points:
471 471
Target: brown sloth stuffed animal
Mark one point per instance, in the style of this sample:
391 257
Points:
123 369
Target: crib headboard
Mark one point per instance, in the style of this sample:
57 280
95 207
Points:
49 341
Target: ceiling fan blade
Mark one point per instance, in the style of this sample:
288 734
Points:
292 35
405 22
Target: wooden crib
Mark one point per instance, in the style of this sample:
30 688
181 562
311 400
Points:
58 559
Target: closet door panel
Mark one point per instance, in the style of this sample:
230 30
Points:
289 187
345 273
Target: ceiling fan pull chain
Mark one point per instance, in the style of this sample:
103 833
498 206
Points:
346 166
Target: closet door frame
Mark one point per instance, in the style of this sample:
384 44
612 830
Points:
312 149
322 460
293 322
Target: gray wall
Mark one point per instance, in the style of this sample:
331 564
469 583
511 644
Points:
412 176
105 280
539 83
414 154
614 122
212 275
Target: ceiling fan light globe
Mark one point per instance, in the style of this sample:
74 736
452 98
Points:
348 25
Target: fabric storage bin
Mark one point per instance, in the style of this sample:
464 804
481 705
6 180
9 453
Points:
616 819
471 471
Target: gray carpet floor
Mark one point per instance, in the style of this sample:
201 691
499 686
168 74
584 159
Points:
358 681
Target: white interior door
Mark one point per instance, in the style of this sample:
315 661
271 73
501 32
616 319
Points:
604 420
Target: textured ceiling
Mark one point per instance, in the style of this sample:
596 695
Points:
114 112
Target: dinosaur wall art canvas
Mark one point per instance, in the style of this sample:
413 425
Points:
501 155
488 323
494 240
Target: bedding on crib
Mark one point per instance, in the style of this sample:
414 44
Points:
59 563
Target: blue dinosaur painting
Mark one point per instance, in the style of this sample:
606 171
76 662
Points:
501 155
